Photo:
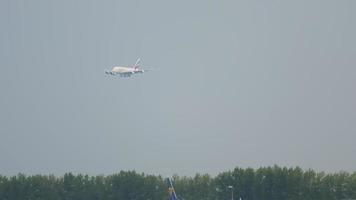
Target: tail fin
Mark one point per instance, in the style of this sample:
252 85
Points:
137 64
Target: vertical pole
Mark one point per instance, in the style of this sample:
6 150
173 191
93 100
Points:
232 191
171 185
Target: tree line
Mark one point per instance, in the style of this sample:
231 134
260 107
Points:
265 183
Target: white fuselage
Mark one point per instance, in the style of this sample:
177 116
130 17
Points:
119 69
124 71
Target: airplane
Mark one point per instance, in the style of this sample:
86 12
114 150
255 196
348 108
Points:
126 71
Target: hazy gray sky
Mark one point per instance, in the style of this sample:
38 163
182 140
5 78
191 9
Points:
236 83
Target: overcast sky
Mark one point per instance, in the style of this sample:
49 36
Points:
235 83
